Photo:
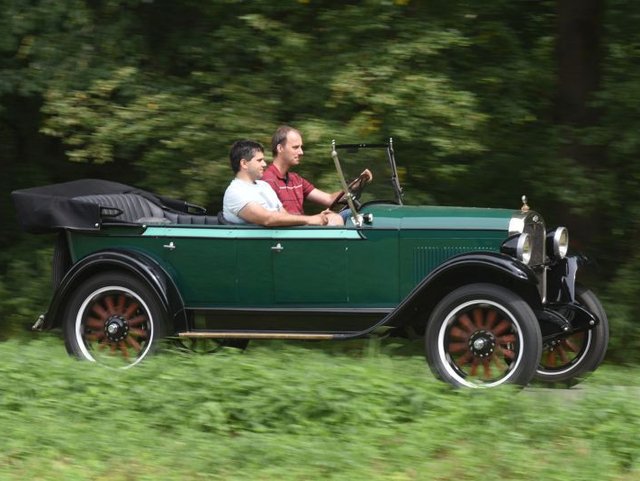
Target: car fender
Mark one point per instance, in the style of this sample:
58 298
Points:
468 268
562 278
142 266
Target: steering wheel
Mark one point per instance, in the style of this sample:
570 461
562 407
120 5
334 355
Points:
355 189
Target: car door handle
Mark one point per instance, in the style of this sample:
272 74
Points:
169 246
277 248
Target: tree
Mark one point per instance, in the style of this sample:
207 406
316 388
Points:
485 101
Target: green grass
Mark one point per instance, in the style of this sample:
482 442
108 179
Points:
302 411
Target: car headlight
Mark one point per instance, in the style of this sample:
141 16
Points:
518 246
523 250
558 242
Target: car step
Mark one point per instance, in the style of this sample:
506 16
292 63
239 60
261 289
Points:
259 335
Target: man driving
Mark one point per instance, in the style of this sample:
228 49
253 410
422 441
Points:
291 188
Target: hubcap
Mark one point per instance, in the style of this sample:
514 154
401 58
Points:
482 343
116 328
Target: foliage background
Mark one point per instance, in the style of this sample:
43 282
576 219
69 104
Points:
485 102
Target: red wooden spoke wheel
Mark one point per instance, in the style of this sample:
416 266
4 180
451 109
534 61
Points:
113 319
483 335
482 343
567 361
561 353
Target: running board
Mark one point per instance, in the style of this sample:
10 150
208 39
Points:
259 335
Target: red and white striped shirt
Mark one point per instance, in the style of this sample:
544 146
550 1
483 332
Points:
290 188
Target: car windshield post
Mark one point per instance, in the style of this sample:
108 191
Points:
395 181
356 217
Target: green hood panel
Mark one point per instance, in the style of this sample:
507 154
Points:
439 217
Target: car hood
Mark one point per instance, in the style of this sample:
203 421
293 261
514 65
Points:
438 217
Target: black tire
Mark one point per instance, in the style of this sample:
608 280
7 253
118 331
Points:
114 319
568 362
483 335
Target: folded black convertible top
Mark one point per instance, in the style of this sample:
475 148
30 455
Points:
68 205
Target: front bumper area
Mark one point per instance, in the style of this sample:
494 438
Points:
563 315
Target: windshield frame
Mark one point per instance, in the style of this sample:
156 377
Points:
388 147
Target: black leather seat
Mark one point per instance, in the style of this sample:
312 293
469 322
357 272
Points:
182 218
134 208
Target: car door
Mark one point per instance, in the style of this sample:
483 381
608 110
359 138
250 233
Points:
253 266
310 265
201 260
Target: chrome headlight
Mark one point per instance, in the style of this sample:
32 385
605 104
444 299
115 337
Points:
558 242
518 246
523 250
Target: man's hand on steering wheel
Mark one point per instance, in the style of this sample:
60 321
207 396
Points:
364 178
356 186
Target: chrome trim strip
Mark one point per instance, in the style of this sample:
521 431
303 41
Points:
250 233
254 335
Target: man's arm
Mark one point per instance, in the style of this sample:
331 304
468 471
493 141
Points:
327 199
256 214
323 198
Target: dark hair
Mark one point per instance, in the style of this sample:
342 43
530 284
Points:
280 137
243 149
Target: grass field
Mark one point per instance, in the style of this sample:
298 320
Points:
357 411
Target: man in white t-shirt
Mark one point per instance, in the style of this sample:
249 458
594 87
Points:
248 200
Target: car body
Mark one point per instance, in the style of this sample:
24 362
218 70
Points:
492 291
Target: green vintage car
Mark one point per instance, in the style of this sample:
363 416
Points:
493 292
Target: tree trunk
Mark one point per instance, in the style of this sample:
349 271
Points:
579 54
579 58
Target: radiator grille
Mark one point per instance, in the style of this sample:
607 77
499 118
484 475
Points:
534 226
537 233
